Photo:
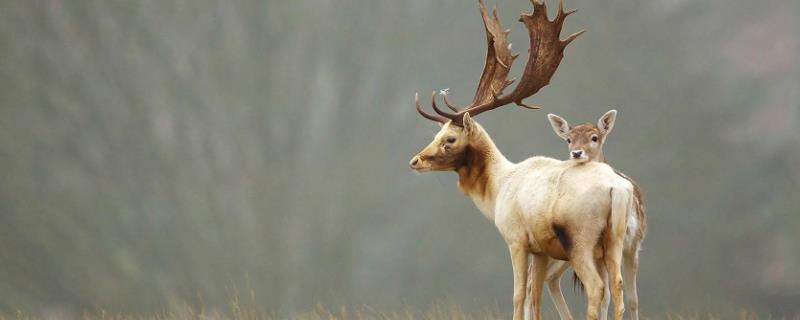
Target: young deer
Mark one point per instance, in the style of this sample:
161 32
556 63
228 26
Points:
549 208
586 144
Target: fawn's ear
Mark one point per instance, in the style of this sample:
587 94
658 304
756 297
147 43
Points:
467 123
560 126
606 122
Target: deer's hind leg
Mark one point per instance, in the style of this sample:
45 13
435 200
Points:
554 271
631 260
555 268
585 267
536 277
606 293
613 264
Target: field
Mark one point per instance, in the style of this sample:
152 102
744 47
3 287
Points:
238 311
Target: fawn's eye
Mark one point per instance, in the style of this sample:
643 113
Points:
569 141
594 138
451 139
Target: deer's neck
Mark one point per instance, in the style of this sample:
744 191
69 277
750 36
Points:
599 157
482 169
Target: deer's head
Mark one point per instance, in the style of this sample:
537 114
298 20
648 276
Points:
586 140
545 54
448 150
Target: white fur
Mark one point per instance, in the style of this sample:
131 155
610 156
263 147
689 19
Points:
527 199
632 238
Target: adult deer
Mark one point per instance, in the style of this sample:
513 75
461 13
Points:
541 206
585 143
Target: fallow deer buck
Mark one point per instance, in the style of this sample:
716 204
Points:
549 208
585 142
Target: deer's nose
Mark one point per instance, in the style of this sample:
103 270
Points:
577 154
413 162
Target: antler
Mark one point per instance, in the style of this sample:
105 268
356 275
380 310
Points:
545 54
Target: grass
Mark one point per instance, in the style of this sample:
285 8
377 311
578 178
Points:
437 311
237 312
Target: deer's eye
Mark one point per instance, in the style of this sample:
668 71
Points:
451 139
594 138
569 141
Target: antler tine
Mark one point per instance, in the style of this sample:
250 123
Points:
426 115
450 105
571 37
527 106
440 111
508 83
561 15
539 7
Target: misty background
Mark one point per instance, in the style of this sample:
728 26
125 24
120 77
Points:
163 152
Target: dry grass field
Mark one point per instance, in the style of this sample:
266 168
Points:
437 311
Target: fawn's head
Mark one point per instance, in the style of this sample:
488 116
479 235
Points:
585 141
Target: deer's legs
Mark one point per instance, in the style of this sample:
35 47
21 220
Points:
528 300
554 271
613 261
553 266
537 275
519 264
631 258
606 292
584 265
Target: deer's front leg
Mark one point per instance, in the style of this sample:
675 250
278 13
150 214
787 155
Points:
583 263
519 263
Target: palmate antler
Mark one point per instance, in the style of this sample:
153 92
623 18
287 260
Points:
545 54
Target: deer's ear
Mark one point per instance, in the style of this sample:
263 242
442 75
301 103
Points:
467 122
560 126
606 122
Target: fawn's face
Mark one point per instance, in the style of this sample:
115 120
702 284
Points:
446 151
585 141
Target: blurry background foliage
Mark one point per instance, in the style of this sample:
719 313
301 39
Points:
154 152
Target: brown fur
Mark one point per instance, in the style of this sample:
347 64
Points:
581 135
638 202
470 155
563 237
473 177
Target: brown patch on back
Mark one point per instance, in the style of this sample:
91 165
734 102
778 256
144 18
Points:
638 203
